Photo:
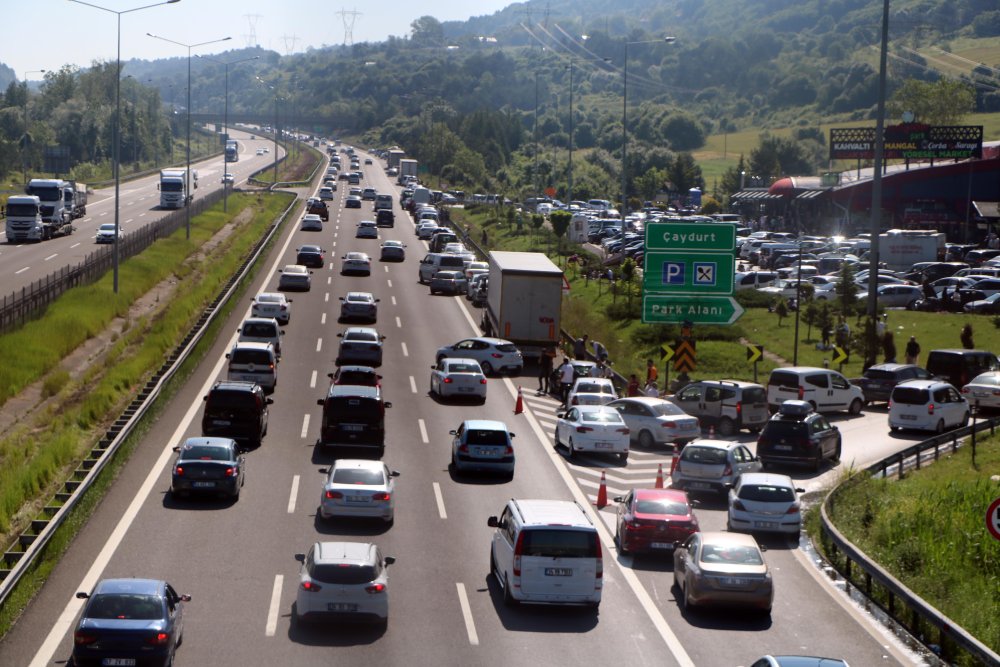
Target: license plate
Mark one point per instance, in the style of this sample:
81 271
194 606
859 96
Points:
204 485
689 427
784 448
464 389
118 662
765 524
605 445
907 416
358 499
734 581
352 427
483 451
221 422
558 572
699 485
662 545
341 606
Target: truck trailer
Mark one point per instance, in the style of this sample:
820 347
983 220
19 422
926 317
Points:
393 157
407 168
75 199
900 249
524 300
232 150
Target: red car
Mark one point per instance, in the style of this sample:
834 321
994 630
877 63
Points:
653 520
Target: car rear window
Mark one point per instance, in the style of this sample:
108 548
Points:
219 401
356 377
260 330
603 417
125 606
509 347
485 437
205 453
910 396
730 554
453 261
261 357
754 395
353 409
361 336
878 374
788 380
463 368
987 379
661 507
343 573
784 428
668 410
766 493
592 388
710 455
547 543
357 476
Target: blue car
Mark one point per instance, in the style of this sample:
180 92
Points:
129 622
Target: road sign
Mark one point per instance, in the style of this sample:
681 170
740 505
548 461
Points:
668 352
670 309
690 237
696 274
993 519
754 353
839 355
685 356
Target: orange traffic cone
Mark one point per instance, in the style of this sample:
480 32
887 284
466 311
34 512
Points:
659 477
519 404
602 493
673 462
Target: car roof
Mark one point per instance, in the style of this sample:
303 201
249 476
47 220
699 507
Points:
247 345
276 296
310 248
331 552
136 586
233 385
360 295
740 384
656 494
485 425
460 360
561 513
922 384
767 479
206 441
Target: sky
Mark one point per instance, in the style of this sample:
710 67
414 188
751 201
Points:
285 26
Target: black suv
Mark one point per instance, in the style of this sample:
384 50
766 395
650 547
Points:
353 416
798 435
236 410
879 380
385 218
318 207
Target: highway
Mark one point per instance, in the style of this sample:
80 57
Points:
236 559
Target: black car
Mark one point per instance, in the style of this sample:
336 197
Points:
310 255
318 207
129 622
798 435
236 410
353 417
879 380
212 466
385 218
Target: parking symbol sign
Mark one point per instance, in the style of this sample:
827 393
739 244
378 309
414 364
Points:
704 273
673 273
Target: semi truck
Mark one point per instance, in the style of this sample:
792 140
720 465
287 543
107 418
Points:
25 223
173 188
232 150
407 168
524 300
393 158
900 249
53 217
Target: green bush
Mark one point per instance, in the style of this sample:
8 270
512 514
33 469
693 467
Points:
751 298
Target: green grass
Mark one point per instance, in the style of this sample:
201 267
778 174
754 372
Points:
296 168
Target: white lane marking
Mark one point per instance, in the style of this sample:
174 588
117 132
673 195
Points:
326 297
74 245
413 385
406 352
334 245
470 625
312 380
105 213
305 425
399 322
440 500
394 299
51 256
319 344
389 282
129 220
386 269
322 318
22 270
141 215
423 431
294 494
272 612
329 280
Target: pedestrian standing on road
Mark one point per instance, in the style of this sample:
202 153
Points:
545 369
485 239
966 337
651 373
912 350
566 376
633 385
580 347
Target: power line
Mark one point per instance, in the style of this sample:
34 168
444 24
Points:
251 36
349 17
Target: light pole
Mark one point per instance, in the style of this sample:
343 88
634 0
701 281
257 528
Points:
225 125
667 40
24 138
117 123
277 132
187 171
569 168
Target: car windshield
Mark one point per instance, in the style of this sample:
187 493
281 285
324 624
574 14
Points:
731 554
547 543
125 606
205 453
603 417
766 493
485 437
343 573
709 455
357 476
661 507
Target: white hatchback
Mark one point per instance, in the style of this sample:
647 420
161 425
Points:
591 391
927 405
343 580
593 428
766 502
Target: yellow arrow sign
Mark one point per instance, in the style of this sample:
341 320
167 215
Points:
839 355
754 353
668 352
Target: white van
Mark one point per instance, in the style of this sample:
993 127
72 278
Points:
825 390
927 405
438 261
547 552
253 362
261 330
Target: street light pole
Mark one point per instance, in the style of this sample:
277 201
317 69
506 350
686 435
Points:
187 171
24 139
569 179
117 123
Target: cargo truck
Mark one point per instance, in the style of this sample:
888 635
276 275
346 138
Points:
524 300
393 158
54 218
900 249
173 188
75 199
407 169
232 151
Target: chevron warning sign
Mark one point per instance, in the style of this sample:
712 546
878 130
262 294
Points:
754 353
685 356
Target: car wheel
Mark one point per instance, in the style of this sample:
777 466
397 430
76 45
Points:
893 428
940 426
727 427
818 461
856 406
572 452
618 541
432 388
812 404
623 457
646 440
965 420
555 437
508 597
487 368
836 453
433 292
493 564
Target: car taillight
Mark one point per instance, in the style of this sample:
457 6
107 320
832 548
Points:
464 448
447 380
518 550
668 424
576 401
802 392
600 561
311 587
622 430
159 639
739 408
738 505
794 509
381 496
583 429
728 471
930 408
83 638
179 471
231 470
496 355
888 405
508 450
482 381
375 589
374 347
334 495
966 390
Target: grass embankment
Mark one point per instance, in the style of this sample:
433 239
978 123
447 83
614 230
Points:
929 531
35 458
296 168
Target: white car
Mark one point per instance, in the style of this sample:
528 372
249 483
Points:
311 222
367 229
927 405
272 304
765 502
654 420
295 277
593 428
359 306
343 580
106 233
493 354
455 376
984 390
426 230
591 391
359 488
261 330
228 179
356 263
260 151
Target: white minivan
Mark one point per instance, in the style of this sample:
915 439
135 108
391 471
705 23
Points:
825 390
547 552
927 405
253 362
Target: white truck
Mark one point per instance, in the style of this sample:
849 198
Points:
53 218
393 157
524 300
232 150
407 169
75 199
900 249
173 188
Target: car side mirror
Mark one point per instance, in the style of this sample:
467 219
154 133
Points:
204 398
798 490
82 596
394 473
281 333
511 435
185 598
389 560
176 449
387 404
325 471
434 368
835 428
227 355
492 522
377 300
321 401
269 401
341 298
340 335
619 499
300 557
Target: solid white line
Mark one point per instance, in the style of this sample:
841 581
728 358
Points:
292 496
440 500
51 256
406 352
319 344
389 282
399 322
305 425
22 270
470 625
423 431
272 612
413 385
322 318
312 380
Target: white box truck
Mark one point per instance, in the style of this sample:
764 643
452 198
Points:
173 188
900 249
407 168
524 300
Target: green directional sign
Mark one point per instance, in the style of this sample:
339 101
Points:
669 309
691 236
683 273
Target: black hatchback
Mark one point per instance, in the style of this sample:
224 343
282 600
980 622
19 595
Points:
879 380
797 435
236 410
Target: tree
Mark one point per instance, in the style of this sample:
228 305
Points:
560 223
943 102
537 220
847 291
427 31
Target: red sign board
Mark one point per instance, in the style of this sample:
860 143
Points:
993 519
550 191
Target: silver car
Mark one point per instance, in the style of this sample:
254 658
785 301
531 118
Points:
458 377
360 346
766 502
359 488
359 306
654 421
343 580
712 465
295 277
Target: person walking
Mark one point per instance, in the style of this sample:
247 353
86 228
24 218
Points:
966 337
602 370
580 347
651 373
912 350
566 376
633 386
545 364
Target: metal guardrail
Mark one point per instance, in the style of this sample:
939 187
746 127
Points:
916 614
29 545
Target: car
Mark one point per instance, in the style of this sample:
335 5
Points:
342 176
798 435
208 465
712 465
260 151
728 406
705 559
366 229
236 410
368 160
253 362
959 366
392 251
360 346
368 194
878 381
927 405
359 488
362 376
983 391
128 620
359 306
352 201
797 661
592 428
326 193
311 256
318 206
353 417
472 268
454 376
261 330
495 355
426 230
482 445
474 283
765 502
228 178
295 277
356 191
356 263
581 368
826 390
311 223
266 149
106 233
272 304
653 520
591 391
897 296
988 306
655 421
448 282
341 581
